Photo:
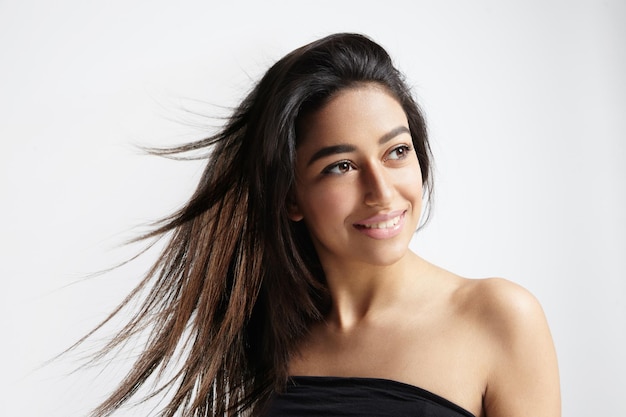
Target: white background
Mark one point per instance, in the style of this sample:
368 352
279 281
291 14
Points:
526 104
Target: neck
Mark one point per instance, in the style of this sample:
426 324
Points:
360 292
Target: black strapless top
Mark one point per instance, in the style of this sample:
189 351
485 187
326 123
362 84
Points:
363 397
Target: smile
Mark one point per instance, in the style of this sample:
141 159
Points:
383 226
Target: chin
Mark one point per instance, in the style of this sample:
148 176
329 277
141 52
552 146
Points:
386 256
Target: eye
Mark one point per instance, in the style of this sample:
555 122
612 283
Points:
338 168
399 152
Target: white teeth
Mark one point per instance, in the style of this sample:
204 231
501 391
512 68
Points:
383 225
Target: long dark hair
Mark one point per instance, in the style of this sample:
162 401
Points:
238 284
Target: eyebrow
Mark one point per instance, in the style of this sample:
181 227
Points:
346 148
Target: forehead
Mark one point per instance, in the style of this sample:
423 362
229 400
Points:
353 114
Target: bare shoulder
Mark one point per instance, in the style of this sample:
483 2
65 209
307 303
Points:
523 378
499 298
495 303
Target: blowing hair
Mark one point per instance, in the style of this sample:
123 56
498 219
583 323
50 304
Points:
238 284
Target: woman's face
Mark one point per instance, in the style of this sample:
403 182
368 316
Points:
358 181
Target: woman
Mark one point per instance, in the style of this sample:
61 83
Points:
288 288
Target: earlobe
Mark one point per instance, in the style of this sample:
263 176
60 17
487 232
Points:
293 211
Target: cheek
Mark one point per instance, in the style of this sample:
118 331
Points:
410 188
327 204
416 178
409 181
415 187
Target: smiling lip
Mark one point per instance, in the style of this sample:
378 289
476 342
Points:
382 226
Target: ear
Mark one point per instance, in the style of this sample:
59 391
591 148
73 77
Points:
293 210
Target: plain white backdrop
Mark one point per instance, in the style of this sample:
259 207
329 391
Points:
526 105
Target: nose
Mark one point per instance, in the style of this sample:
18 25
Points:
378 186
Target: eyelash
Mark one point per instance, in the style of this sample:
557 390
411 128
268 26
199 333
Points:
348 165
405 148
329 169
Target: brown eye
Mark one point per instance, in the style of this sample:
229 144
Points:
398 152
339 168
344 167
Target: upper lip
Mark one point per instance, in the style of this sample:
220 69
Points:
382 217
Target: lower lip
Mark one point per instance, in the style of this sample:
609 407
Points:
385 233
